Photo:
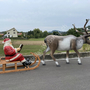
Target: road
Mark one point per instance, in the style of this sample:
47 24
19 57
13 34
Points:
67 77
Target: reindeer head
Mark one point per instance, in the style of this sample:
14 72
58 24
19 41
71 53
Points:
85 34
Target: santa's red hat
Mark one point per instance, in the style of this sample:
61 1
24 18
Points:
6 40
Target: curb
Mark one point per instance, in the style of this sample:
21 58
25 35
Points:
59 56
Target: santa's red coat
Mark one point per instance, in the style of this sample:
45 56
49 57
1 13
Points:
12 55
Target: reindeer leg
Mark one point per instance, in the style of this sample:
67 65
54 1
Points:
79 60
48 49
73 46
67 55
51 54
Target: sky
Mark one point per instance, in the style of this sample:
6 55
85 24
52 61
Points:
26 15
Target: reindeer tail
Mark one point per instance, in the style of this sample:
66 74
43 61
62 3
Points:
45 40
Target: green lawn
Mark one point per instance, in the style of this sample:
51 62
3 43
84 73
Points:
36 39
1 50
31 39
38 49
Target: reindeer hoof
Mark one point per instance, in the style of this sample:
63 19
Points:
79 63
43 64
58 65
67 62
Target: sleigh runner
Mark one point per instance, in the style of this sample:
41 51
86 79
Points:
15 68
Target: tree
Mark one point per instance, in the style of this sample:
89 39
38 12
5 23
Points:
30 34
37 33
88 26
55 33
45 33
73 32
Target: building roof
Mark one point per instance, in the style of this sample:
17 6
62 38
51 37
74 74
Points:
11 29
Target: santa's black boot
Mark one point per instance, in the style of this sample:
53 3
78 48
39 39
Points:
24 64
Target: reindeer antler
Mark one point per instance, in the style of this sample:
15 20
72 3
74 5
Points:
77 30
75 27
85 25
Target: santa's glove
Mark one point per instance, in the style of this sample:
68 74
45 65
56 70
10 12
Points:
21 45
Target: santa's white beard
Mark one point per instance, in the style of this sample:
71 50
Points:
8 44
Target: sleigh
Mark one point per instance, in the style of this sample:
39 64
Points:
7 67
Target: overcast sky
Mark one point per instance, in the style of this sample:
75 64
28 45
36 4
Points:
26 15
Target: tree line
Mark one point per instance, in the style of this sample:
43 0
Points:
37 33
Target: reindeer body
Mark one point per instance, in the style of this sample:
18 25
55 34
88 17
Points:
65 43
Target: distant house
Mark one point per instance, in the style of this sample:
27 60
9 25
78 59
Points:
12 33
1 34
19 33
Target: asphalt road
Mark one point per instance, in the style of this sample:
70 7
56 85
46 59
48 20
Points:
67 77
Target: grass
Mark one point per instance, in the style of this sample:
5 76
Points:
31 39
38 49
36 39
1 50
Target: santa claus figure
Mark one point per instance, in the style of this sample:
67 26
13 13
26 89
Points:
12 54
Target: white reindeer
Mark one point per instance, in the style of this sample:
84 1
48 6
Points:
66 43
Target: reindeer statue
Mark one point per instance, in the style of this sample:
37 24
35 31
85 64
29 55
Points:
66 43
